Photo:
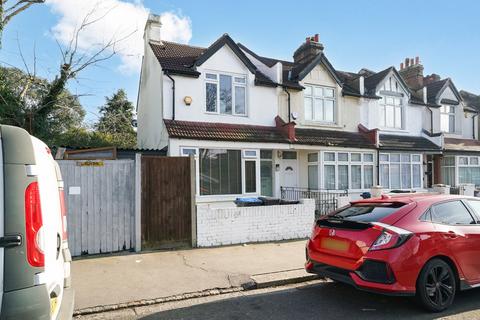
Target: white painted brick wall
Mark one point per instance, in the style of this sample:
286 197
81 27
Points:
223 226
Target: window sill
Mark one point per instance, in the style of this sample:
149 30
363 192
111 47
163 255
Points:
222 197
226 114
394 130
310 123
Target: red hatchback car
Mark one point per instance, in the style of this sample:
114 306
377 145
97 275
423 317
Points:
426 246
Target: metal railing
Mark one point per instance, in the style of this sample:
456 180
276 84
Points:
325 200
454 190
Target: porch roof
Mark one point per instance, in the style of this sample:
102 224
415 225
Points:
407 143
333 138
465 145
223 132
249 133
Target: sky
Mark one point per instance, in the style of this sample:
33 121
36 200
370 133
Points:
356 34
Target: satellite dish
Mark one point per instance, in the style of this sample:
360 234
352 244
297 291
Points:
294 115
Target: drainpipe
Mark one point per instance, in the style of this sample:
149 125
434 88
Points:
473 125
288 99
173 94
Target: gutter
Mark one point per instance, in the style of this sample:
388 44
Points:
173 94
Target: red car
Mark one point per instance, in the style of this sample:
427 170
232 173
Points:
426 246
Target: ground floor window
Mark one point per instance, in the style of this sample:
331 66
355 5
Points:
347 170
401 170
468 170
220 172
313 170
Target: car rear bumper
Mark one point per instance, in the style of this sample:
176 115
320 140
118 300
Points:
352 278
28 303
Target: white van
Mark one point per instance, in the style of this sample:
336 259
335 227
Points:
34 255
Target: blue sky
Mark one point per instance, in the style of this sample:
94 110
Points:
372 34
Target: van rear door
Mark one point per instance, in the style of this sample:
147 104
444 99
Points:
2 212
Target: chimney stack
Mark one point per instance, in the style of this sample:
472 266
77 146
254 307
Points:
412 73
152 29
308 50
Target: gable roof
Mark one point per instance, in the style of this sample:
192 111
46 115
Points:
372 82
472 101
225 40
435 90
269 62
300 71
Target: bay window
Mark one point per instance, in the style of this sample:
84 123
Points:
347 170
468 170
225 94
448 170
391 112
447 118
401 170
319 103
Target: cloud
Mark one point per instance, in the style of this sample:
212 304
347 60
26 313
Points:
117 19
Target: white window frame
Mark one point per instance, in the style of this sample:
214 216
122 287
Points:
411 162
448 114
314 164
349 163
312 98
256 160
384 106
234 84
468 165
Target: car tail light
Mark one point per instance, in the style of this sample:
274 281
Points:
63 212
34 226
391 237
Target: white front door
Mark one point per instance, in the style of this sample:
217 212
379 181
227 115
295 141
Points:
289 169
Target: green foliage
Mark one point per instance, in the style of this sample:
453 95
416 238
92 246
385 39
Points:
115 122
21 98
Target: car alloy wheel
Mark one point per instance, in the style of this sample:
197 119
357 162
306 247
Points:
436 285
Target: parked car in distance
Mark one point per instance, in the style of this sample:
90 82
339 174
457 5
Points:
425 246
34 255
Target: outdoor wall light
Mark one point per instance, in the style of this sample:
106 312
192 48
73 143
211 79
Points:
187 100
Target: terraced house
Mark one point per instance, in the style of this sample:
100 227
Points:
257 125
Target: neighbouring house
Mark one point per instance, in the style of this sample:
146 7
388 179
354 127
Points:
257 124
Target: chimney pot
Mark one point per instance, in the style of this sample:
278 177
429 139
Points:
316 37
417 60
401 66
411 61
407 62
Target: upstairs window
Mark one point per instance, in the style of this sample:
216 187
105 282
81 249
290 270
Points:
391 112
319 103
447 119
225 94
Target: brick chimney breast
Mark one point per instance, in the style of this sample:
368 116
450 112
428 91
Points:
412 73
308 50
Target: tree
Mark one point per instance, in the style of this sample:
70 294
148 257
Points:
10 8
116 120
21 96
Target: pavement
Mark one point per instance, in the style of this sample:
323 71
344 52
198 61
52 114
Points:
134 280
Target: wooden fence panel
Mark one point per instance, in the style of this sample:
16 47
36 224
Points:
100 198
168 187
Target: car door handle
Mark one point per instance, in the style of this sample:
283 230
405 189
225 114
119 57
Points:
452 235
11 241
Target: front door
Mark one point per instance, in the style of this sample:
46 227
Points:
289 169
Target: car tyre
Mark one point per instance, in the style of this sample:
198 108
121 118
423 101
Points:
436 286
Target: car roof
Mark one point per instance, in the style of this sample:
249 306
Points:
412 197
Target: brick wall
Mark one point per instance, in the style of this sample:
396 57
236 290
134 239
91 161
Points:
224 226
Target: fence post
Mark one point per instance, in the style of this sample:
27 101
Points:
138 202
193 192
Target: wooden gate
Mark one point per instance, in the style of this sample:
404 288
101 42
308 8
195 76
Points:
167 201
100 198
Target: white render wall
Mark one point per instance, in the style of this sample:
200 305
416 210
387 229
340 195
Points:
224 226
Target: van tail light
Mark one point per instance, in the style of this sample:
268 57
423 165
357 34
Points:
63 212
34 226
391 237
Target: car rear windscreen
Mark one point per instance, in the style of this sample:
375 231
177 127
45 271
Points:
371 212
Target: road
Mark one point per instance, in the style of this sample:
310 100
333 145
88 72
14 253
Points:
317 300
